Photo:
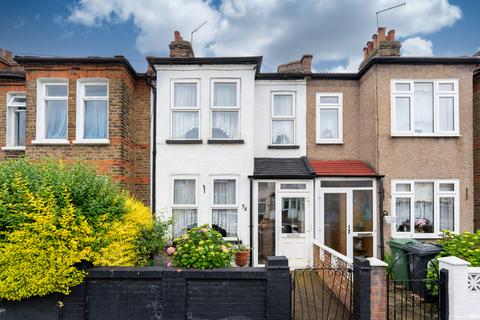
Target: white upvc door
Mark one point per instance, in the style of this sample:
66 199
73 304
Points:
294 228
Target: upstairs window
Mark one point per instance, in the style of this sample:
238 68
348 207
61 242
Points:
329 117
425 108
16 110
185 122
283 118
225 109
52 111
424 208
92 110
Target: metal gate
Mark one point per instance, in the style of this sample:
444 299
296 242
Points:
322 293
417 297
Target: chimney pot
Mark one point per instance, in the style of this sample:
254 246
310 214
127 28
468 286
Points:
381 34
177 36
8 54
365 52
391 35
375 42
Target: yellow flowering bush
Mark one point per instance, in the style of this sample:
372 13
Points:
202 248
54 217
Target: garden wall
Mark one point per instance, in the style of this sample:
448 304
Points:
159 293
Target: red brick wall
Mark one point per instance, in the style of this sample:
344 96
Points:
127 157
476 151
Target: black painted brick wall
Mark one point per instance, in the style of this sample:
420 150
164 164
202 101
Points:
156 293
361 288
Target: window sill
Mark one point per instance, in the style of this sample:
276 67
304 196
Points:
427 236
13 148
329 142
399 135
186 141
52 141
225 141
283 147
92 141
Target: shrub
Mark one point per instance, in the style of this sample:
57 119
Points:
54 216
202 248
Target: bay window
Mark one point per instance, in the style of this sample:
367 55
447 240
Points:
225 109
424 208
184 206
283 118
52 111
185 110
224 206
329 117
16 109
92 111
425 107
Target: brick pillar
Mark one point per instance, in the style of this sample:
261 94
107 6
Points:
174 294
278 304
378 289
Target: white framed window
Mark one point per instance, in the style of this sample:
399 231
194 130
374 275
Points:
225 206
225 109
283 118
16 111
184 204
425 107
329 117
52 111
423 208
185 109
92 111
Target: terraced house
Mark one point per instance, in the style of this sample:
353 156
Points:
292 162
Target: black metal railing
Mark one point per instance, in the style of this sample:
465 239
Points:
322 293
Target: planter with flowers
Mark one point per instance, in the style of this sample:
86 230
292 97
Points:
242 254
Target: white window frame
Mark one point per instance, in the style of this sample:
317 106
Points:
225 206
437 94
436 206
11 110
339 107
289 118
195 108
40 125
214 108
80 113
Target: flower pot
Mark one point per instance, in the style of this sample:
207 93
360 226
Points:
241 258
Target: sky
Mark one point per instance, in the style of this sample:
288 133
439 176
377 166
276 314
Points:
334 31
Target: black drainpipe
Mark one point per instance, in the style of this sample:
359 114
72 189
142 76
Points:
381 194
152 84
251 223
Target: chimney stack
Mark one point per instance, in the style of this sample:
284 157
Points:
304 65
381 45
180 48
7 62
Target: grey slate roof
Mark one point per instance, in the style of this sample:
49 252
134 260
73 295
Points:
283 168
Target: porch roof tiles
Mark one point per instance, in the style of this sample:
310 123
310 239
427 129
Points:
342 168
282 168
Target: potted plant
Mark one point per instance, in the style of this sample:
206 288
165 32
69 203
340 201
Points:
242 253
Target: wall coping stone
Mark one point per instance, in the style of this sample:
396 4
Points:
454 261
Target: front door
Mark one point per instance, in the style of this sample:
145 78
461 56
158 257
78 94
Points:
348 225
294 228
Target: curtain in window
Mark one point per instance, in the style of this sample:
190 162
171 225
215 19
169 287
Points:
447 209
282 132
184 192
424 207
225 94
96 120
402 211
402 114
446 107
56 119
226 221
185 94
225 124
423 94
224 192
184 125
282 105
20 128
328 123
183 220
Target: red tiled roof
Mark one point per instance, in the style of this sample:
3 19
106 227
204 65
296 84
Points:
341 168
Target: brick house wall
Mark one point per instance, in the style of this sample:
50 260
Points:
127 157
